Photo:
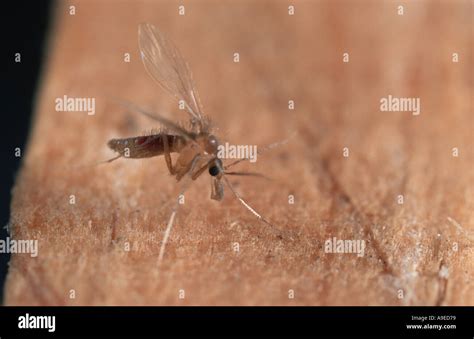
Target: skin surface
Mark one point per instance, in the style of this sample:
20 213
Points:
103 249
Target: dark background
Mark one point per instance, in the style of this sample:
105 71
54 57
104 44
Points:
25 31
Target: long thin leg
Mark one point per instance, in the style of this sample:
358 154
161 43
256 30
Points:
167 155
170 225
250 208
173 214
109 160
189 168
166 236
96 164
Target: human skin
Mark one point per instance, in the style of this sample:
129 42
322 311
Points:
103 249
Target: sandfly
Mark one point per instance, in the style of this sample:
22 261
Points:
196 146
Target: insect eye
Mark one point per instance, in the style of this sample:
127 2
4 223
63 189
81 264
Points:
214 170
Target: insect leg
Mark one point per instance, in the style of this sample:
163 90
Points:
188 169
250 208
170 225
173 214
110 160
96 164
166 148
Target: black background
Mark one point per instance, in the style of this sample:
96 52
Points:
25 26
291 322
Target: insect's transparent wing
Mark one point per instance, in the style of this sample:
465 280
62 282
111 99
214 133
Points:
166 66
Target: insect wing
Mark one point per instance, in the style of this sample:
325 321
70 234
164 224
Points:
166 66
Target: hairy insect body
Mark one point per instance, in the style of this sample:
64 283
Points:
147 146
197 148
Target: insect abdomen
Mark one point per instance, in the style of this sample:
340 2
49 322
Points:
146 146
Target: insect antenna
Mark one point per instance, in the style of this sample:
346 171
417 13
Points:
249 174
262 150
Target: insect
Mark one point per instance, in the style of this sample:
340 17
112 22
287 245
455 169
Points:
196 146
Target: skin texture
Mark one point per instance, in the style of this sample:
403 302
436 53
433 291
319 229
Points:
417 253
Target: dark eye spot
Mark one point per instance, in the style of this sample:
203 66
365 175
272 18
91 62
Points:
214 170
